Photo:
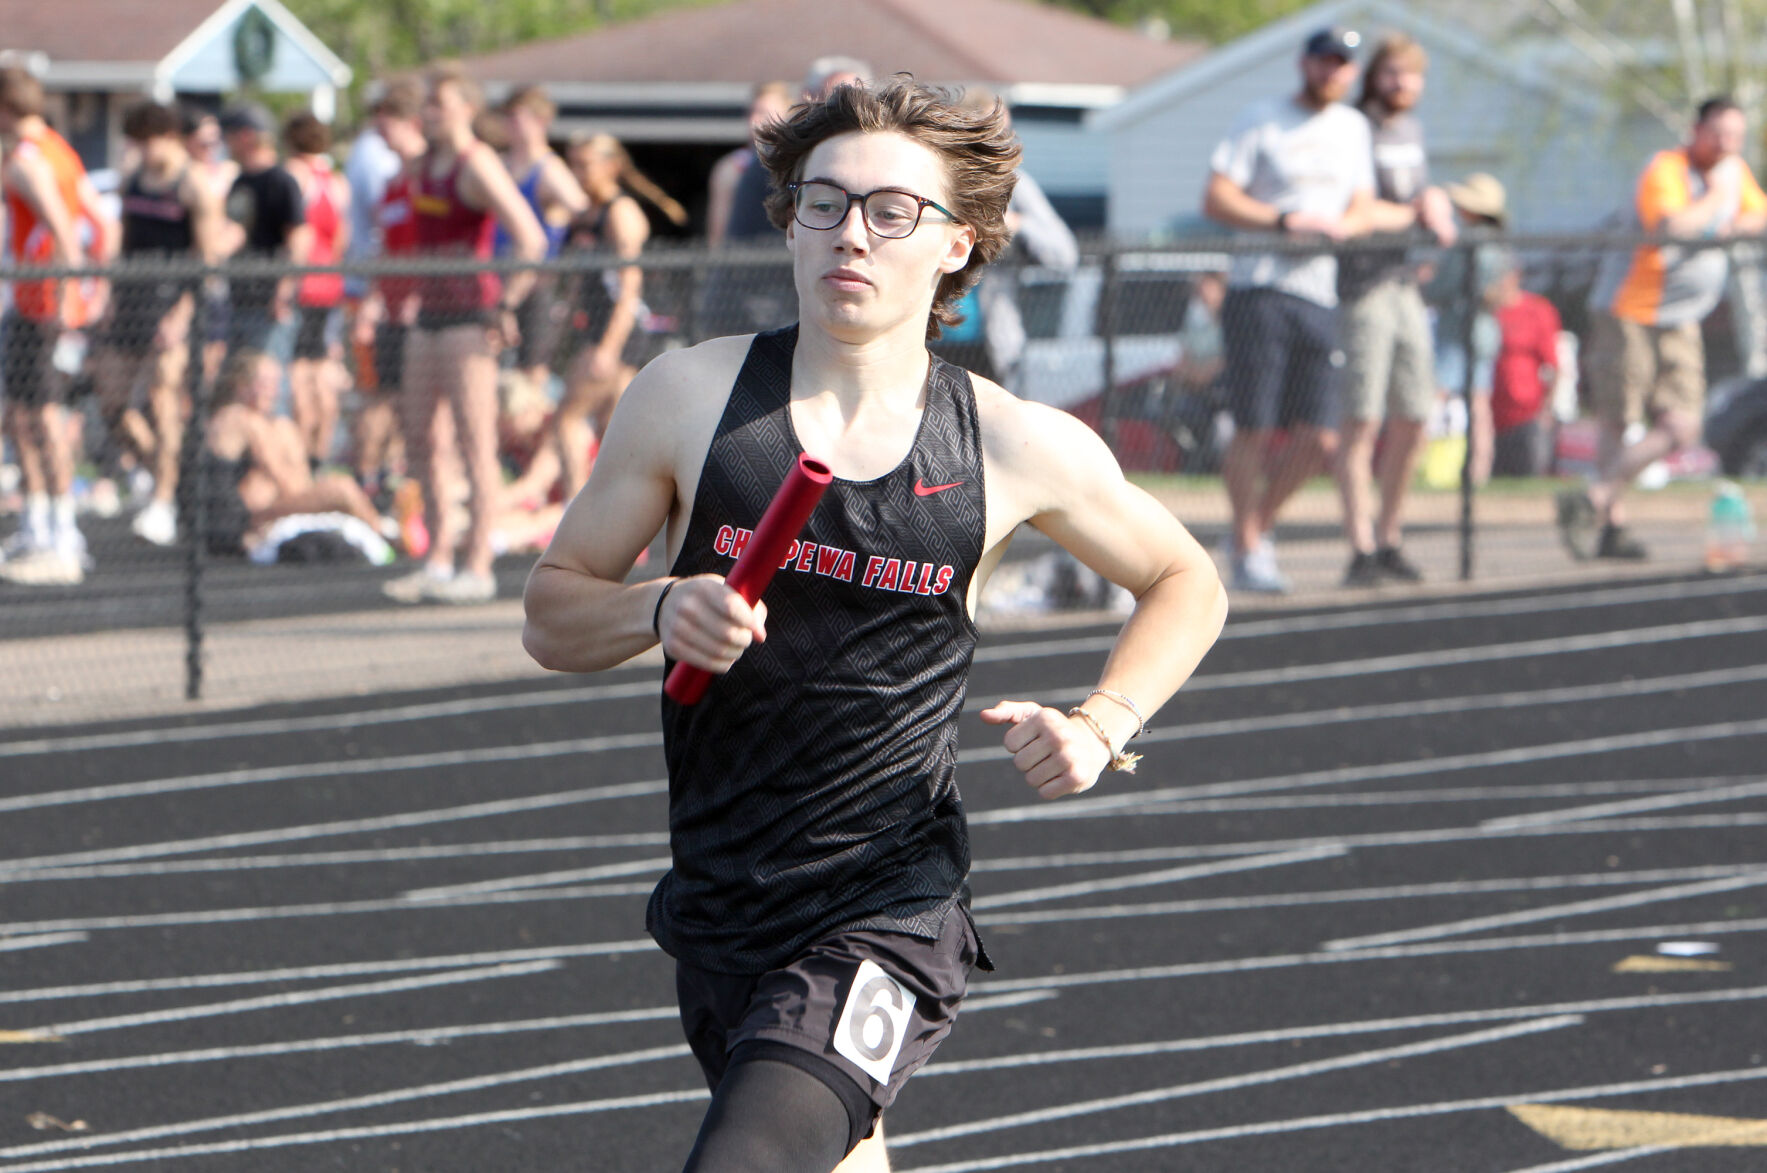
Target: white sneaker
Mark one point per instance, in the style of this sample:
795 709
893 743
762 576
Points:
418 585
465 588
1256 570
43 567
70 543
158 523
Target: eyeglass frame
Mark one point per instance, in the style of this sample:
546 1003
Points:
921 202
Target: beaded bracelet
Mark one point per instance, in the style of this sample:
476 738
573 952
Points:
1134 709
1121 760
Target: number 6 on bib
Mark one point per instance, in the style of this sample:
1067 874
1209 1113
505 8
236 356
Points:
874 1021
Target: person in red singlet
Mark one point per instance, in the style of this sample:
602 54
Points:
316 372
460 192
47 198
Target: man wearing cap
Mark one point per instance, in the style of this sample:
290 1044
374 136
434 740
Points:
1390 381
266 203
1645 357
1300 165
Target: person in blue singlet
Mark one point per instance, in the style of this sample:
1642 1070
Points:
546 182
817 903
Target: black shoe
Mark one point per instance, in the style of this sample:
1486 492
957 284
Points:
1392 562
1577 524
1617 542
1364 571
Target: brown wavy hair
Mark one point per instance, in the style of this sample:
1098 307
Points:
980 152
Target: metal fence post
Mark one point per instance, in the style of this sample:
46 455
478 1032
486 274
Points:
1107 329
1469 289
193 488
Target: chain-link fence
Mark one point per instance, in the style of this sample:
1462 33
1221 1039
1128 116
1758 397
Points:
226 483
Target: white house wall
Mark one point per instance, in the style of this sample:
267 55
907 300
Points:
1564 156
1065 158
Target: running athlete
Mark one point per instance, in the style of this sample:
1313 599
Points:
817 903
48 199
459 192
168 214
316 372
555 196
608 339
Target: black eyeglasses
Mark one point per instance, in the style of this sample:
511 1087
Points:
888 213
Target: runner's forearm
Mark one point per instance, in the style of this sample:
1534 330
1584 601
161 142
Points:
579 623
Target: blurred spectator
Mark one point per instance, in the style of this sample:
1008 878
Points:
255 462
208 154
1522 382
265 201
316 373
1301 165
1039 237
1389 370
1645 355
1482 204
740 299
555 196
770 102
209 161
168 214
608 339
460 191
52 211
382 224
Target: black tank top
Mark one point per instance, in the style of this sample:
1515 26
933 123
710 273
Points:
813 790
155 222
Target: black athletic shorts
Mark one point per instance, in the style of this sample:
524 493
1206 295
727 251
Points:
540 318
866 1007
313 337
389 357
27 360
1284 364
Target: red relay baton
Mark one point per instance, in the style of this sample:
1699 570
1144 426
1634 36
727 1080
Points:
755 566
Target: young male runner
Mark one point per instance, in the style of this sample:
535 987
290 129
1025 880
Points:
816 908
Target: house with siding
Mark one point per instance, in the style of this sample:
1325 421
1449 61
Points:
1563 144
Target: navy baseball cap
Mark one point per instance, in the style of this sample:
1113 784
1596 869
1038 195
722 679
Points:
1335 41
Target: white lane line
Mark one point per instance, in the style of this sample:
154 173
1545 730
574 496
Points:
221 730
1343 1119
329 859
1361 895
1232 1082
1414 838
424 818
13 874
1163 876
204 981
1478 924
1617 1157
1080 808
1390 953
1338 1030
422 1037
39 942
540 880
370 1132
300 998
649 686
347 767
222 916
351 1103
1633 806
1555 645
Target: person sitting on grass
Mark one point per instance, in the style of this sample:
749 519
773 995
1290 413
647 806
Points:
256 469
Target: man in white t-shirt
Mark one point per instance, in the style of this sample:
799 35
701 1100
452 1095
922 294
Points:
1299 165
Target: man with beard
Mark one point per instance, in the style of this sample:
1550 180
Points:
1391 373
1300 165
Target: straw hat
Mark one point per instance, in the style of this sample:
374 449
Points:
1479 194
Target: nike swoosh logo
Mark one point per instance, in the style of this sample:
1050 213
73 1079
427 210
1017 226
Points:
922 490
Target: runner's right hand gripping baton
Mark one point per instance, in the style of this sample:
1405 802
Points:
755 566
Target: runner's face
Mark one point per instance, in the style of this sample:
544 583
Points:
854 283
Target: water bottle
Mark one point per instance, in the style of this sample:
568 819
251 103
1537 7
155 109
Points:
1729 529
